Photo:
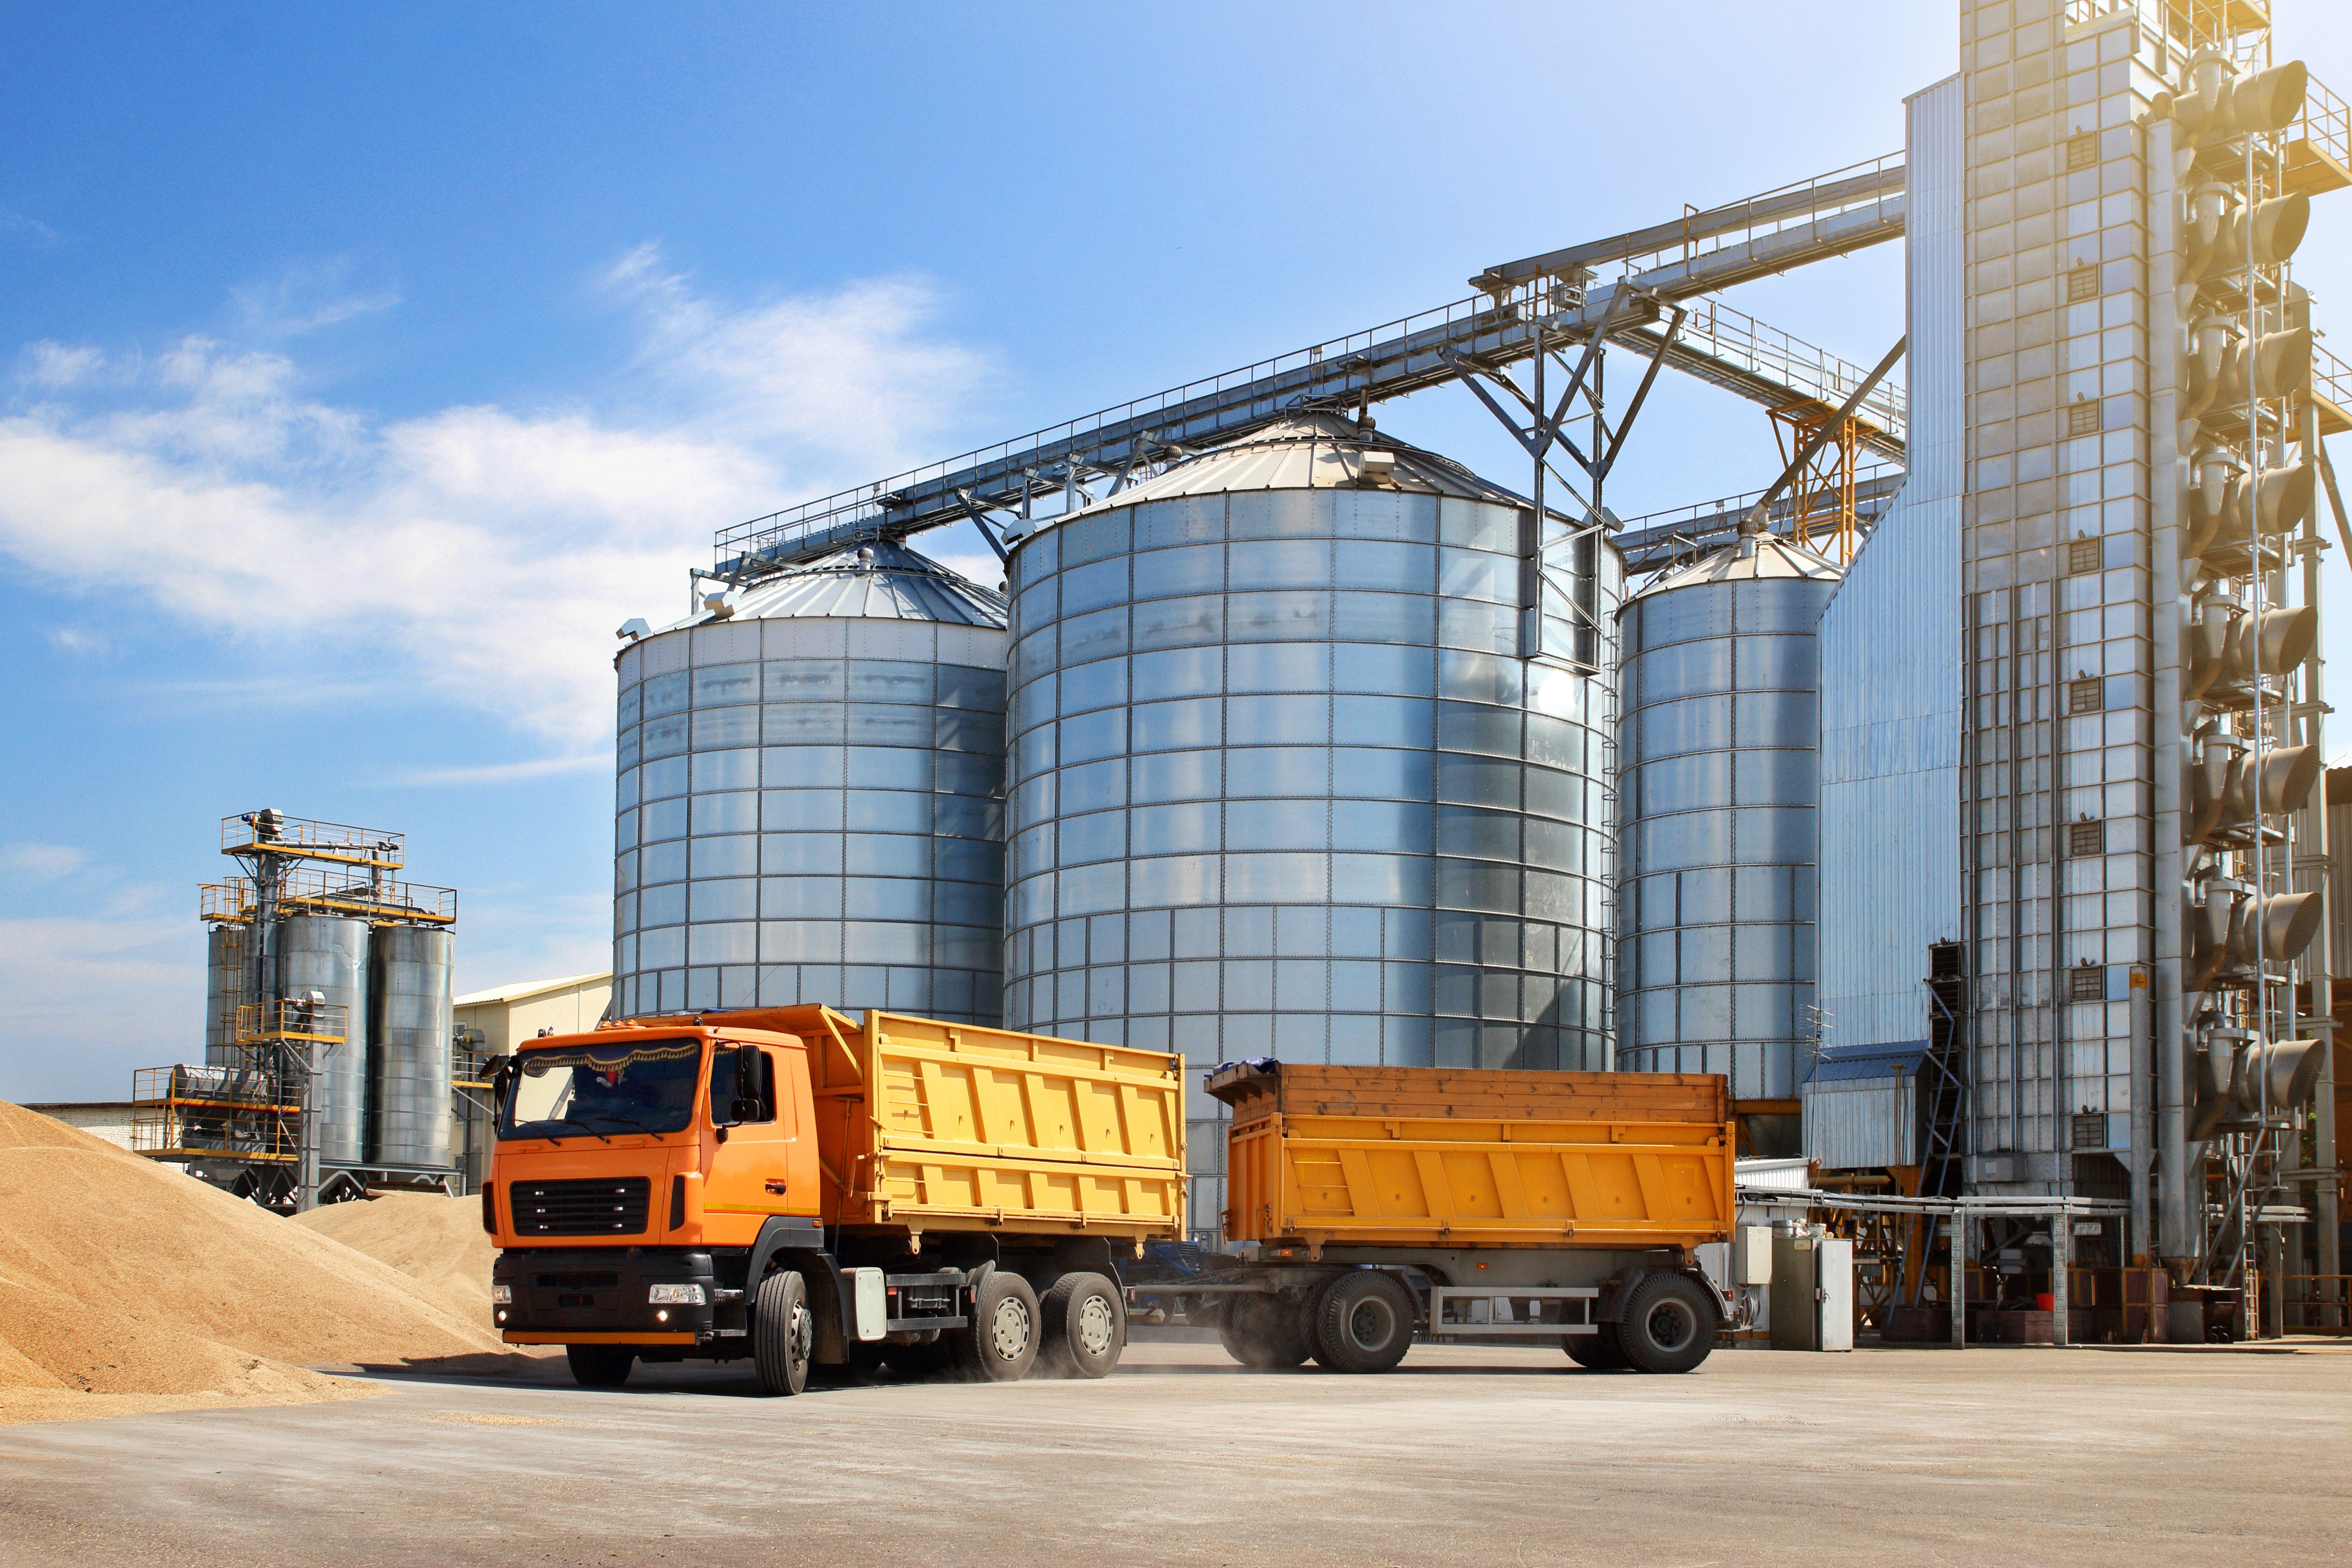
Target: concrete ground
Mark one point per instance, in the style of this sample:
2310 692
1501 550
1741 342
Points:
1462 1455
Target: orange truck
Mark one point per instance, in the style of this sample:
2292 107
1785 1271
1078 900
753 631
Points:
1372 1206
787 1186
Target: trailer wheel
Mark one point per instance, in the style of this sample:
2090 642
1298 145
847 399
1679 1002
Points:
1363 1322
1268 1333
1086 1326
783 1333
1668 1324
1597 1351
1001 1343
600 1366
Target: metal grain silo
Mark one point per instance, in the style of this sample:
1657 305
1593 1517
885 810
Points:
1281 785
409 973
811 796
1718 752
329 955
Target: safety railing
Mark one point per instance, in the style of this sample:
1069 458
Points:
265 832
288 1018
309 889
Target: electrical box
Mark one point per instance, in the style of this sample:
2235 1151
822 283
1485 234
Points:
873 1308
1751 1255
1812 1293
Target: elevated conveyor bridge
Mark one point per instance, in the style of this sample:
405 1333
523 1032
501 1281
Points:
1631 290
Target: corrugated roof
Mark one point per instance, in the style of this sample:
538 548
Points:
877 581
1772 557
1848 1064
1307 451
522 989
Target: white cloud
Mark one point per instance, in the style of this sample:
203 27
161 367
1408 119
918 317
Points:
89 1000
307 297
507 772
43 862
75 640
486 553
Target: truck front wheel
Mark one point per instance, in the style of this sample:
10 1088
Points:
783 1333
1001 1345
600 1366
1363 1322
1086 1326
1668 1324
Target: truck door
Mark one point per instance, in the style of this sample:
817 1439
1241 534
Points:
766 1166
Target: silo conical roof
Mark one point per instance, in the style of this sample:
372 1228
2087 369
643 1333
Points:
880 580
1773 557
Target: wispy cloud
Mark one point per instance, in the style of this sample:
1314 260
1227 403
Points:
26 230
307 297
42 862
80 643
89 1000
482 553
507 772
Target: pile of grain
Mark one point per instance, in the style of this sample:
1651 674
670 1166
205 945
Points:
126 1285
438 1242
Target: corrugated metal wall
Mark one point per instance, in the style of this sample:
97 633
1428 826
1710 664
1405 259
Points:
1861 1122
1891 654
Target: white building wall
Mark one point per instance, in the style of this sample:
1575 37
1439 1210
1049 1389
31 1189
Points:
1891 652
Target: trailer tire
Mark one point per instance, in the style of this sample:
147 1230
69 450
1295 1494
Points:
783 1333
1264 1331
1667 1325
1000 1345
600 1366
1086 1326
1598 1352
1363 1322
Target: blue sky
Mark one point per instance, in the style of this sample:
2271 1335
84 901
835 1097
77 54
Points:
367 367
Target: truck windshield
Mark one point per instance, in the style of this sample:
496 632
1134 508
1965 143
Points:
576 1091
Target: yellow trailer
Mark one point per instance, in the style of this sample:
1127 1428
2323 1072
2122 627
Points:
1375 1205
1429 1157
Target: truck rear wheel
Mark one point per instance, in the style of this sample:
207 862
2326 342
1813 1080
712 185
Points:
1001 1344
783 1333
1668 1324
1264 1331
1086 1326
1597 1351
1363 1322
600 1366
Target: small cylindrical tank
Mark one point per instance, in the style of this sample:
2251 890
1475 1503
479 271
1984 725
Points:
329 955
1718 750
408 1122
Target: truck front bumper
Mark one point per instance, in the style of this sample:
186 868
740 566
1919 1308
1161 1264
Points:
599 1295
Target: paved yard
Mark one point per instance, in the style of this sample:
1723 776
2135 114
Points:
1461 1456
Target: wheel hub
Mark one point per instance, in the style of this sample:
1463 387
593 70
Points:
1670 1326
1094 1326
1008 1330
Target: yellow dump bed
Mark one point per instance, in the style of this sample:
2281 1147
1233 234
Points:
941 1126
1440 1157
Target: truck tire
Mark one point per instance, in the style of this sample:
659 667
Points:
1597 1351
1086 1326
1363 1322
600 1366
1001 1343
783 1333
1268 1333
1668 1324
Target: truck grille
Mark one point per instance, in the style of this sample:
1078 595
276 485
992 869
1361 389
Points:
615 1206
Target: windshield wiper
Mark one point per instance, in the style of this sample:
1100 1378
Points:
627 1120
568 1122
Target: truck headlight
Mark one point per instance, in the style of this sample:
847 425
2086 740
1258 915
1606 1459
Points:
502 1295
675 1296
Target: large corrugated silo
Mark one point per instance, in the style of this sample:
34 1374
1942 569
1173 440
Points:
1281 785
1719 752
328 955
811 796
408 1065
